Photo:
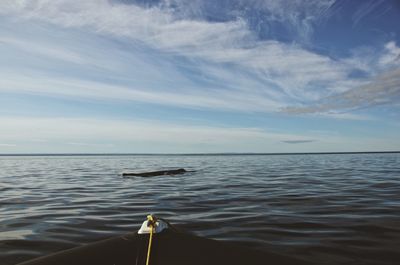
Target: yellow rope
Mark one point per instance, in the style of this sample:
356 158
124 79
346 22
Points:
150 221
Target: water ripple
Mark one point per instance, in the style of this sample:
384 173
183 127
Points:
328 209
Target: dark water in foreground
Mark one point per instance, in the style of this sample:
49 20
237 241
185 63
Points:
328 209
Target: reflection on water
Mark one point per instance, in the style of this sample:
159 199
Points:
328 209
15 234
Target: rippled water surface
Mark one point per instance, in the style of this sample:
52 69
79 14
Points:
327 209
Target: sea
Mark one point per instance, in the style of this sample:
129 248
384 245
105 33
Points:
322 208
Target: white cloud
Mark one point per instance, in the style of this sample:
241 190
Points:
125 130
222 100
63 135
345 116
7 145
366 8
105 145
392 56
296 141
102 135
296 16
261 75
43 50
383 90
290 67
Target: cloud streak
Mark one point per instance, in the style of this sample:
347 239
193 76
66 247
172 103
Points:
61 135
383 90
298 141
232 67
135 135
7 145
268 18
72 88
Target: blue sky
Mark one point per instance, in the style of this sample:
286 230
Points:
174 76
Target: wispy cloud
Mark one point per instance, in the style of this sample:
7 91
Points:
137 135
105 145
73 88
338 115
392 56
383 90
298 141
7 145
138 130
295 18
367 8
42 49
216 64
151 136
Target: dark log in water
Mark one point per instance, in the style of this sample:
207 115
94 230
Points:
155 173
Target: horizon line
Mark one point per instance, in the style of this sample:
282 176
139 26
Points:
197 154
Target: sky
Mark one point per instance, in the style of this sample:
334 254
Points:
199 76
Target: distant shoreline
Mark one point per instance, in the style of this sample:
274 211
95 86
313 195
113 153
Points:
197 154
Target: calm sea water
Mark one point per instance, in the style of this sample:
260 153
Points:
328 209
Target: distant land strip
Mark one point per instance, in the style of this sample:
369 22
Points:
195 154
